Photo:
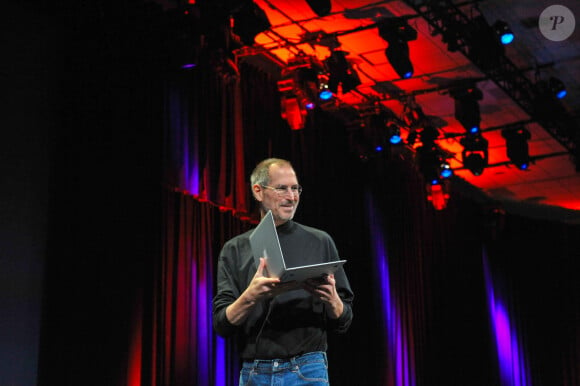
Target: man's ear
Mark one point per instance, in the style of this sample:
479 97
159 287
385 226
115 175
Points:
258 192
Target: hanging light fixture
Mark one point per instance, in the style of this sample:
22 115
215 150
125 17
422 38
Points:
557 87
398 33
341 73
517 146
503 32
475 153
467 107
394 134
304 86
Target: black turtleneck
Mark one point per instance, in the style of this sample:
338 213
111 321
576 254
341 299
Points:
292 323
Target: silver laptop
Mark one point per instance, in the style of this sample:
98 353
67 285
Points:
265 243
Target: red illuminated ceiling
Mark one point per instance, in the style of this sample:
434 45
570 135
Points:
551 180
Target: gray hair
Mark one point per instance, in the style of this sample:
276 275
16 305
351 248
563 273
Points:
261 173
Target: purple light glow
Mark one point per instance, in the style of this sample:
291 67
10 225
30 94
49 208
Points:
204 335
186 149
220 362
400 360
512 368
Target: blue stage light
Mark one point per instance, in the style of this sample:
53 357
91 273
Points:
325 95
557 87
446 170
517 146
397 32
395 139
507 38
503 31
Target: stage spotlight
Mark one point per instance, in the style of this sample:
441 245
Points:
397 32
482 43
325 95
557 87
475 153
430 158
467 108
248 21
398 55
306 81
394 134
431 164
445 170
341 72
517 146
320 7
503 31
371 136
305 78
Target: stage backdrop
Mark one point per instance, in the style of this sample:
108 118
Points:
439 294
149 176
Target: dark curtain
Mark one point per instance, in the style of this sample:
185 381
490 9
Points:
104 214
204 140
535 263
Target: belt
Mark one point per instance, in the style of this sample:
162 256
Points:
284 364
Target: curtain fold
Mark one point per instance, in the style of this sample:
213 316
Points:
184 349
204 139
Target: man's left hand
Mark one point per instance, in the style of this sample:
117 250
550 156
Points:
325 289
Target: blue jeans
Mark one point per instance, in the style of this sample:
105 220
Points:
308 369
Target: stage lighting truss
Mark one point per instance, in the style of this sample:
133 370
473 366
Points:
378 132
304 86
475 154
517 146
398 33
467 107
466 32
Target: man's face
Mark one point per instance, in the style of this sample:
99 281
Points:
282 203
